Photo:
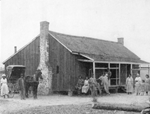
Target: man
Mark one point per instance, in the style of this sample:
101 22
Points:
109 73
21 87
105 82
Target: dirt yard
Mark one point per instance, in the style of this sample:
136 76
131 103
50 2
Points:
15 104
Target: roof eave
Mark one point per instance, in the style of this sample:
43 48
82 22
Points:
20 49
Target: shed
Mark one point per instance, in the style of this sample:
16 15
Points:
63 58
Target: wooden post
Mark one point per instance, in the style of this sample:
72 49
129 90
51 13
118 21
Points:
119 74
94 70
111 74
140 69
131 70
109 65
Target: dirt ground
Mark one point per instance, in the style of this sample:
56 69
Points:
15 104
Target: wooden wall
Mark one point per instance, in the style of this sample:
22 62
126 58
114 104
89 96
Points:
28 56
69 67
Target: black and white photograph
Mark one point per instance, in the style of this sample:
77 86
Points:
75 57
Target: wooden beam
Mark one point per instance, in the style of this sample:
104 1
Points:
87 57
100 68
131 70
116 62
109 65
119 74
94 70
84 60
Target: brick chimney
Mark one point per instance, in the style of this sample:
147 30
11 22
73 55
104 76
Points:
15 49
121 41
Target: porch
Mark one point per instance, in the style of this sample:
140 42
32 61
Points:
119 71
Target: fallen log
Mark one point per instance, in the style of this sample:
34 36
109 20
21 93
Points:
121 107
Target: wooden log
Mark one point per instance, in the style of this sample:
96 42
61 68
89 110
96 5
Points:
121 107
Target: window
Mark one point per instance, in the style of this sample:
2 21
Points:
57 69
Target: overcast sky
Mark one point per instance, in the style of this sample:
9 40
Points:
103 19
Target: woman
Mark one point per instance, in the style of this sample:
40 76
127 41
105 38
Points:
85 87
4 86
147 84
138 82
79 85
129 84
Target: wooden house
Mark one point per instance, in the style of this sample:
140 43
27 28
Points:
63 58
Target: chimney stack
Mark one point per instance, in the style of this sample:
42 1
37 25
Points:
44 27
121 41
15 49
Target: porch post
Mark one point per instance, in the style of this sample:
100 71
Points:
131 70
109 65
94 69
119 74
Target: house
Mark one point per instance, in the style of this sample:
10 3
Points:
63 58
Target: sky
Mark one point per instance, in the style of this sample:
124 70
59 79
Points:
102 19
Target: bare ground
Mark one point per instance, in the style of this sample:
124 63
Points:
60 103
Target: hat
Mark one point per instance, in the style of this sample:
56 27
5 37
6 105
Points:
3 75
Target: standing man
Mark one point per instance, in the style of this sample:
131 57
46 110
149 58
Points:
109 74
21 87
106 83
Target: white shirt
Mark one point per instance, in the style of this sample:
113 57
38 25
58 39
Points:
3 81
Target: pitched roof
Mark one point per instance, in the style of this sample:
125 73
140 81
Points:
99 50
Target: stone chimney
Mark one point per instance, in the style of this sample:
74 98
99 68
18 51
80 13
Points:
15 49
121 41
44 27
45 85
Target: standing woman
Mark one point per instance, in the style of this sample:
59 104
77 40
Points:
138 82
129 84
147 84
4 86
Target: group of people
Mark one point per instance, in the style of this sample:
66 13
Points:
23 85
141 85
91 84
5 88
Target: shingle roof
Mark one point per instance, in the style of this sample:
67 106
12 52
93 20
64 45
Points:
99 50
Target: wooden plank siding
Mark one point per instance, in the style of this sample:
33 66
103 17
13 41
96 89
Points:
28 56
69 66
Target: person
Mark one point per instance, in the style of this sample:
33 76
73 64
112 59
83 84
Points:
85 87
79 85
105 82
109 73
147 84
93 87
4 86
138 82
21 87
129 84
